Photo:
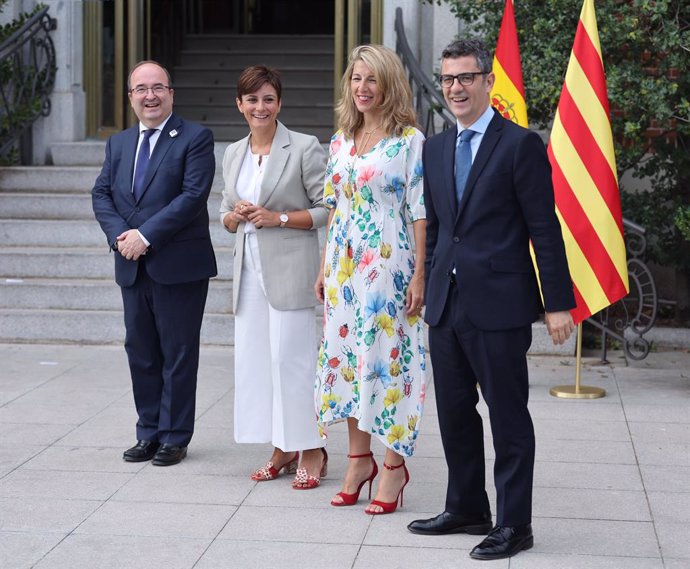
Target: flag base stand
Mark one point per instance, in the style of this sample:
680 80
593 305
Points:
578 391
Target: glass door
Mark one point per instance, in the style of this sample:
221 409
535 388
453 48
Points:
356 22
114 40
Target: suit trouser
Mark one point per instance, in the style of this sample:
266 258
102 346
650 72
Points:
462 356
163 326
275 366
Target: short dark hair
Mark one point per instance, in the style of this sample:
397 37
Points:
465 47
255 77
144 62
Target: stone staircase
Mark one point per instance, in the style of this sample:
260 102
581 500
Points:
56 274
206 77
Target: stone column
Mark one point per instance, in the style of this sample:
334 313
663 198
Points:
12 9
66 122
429 29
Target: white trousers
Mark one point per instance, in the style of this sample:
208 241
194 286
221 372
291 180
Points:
275 366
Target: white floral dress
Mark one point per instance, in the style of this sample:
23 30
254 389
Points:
372 360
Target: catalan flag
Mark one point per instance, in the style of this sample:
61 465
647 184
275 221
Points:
508 92
585 179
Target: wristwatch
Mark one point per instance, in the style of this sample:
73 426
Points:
283 219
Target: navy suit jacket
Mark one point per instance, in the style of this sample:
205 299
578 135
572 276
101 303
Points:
171 212
508 200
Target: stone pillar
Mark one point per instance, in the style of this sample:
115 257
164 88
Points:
429 29
411 12
445 27
67 119
12 9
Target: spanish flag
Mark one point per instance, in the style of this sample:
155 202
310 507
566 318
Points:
584 177
508 93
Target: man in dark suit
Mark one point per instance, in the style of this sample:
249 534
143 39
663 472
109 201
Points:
150 200
487 193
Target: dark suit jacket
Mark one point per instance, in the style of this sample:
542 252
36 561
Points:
171 213
508 200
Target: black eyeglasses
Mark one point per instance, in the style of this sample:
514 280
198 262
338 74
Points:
156 89
465 79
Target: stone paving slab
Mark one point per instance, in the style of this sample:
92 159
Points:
533 560
665 478
383 557
612 478
120 552
291 555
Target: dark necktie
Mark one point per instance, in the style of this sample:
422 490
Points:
463 162
142 164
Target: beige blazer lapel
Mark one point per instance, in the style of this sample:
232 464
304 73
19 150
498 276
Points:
232 164
280 152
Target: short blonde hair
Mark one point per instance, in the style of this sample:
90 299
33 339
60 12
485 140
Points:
396 105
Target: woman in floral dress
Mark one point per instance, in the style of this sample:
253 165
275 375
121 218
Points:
371 368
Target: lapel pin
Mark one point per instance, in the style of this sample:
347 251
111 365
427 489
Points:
173 133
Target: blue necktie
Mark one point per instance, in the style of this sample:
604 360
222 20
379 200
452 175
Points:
142 164
463 162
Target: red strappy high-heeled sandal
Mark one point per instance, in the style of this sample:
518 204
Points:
270 472
305 481
351 499
390 507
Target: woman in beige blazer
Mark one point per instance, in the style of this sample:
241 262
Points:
273 201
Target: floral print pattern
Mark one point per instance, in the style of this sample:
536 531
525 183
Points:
372 360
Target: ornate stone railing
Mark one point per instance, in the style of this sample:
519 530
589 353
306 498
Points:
429 103
629 319
626 321
27 76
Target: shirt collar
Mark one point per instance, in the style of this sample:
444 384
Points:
159 127
481 124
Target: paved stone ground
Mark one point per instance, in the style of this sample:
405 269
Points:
612 481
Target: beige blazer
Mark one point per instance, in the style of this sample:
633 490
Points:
294 180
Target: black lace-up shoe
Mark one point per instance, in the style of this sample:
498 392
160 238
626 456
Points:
445 523
504 541
141 452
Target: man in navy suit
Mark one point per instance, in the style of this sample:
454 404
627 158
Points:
150 200
483 208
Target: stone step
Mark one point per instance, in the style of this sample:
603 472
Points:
225 94
316 114
29 205
83 152
225 59
76 262
69 233
89 294
69 179
209 75
258 43
107 327
48 178
74 206
92 153
91 327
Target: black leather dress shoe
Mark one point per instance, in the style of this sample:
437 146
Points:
444 523
140 452
504 541
168 455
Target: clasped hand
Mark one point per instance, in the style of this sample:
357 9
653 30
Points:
130 245
259 216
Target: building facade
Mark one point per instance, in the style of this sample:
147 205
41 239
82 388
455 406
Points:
97 42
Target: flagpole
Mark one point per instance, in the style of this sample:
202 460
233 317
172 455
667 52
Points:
578 391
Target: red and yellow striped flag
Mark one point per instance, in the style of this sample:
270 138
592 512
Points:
508 92
585 179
